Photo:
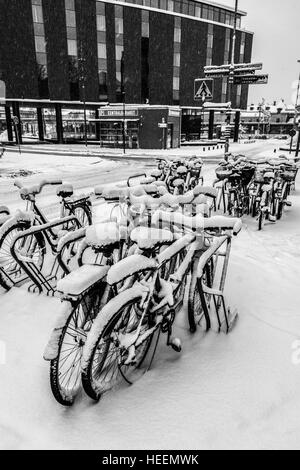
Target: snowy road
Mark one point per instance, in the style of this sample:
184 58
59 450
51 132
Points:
236 391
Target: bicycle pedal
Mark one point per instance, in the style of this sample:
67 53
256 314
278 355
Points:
272 218
288 203
175 343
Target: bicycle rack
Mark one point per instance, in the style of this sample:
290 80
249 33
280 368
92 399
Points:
43 281
214 286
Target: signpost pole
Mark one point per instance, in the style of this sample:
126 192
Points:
231 70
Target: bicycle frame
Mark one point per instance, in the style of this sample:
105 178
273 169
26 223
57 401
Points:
39 280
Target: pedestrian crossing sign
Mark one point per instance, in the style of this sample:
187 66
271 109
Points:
203 89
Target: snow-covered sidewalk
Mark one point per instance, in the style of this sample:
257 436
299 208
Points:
236 391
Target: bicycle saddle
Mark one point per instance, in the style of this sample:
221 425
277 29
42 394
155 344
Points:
177 182
208 191
4 210
65 190
156 173
150 238
105 235
269 175
182 170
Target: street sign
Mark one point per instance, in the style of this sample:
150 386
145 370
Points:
251 79
203 89
162 125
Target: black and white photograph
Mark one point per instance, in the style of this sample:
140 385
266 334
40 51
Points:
149 227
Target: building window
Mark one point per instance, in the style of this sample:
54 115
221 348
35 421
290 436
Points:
210 44
119 52
145 57
227 46
40 48
72 49
71 28
224 89
101 23
242 50
185 7
102 51
176 60
70 19
198 11
145 23
238 95
170 5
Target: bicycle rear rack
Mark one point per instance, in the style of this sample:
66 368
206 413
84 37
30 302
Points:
56 266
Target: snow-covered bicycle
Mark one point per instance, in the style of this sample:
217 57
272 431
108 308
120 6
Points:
10 272
122 333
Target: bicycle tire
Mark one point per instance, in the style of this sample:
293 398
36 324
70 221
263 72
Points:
85 218
105 329
196 301
6 280
90 306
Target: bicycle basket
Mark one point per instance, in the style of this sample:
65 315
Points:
247 175
223 174
288 176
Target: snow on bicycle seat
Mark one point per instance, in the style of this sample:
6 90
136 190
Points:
147 180
65 190
201 199
105 234
150 238
187 198
4 210
182 170
269 175
81 279
129 266
113 193
156 173
178 182
4 218
208 191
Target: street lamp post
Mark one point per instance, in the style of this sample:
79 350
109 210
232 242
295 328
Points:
231 71
124 103
82 79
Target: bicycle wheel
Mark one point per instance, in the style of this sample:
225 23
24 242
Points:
65 369
104 359
83 214
198 301
171 268
33 247
260 220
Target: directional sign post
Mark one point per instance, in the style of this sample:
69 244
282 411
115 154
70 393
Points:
251 79
203 89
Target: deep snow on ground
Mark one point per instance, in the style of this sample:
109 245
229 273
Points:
235 391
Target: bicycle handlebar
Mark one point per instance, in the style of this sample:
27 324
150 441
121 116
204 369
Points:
200 223
135 176
37 188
